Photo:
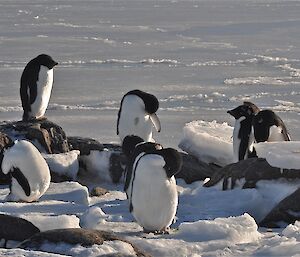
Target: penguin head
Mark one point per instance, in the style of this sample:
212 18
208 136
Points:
45 60
262 123
150 101
173 160
135 145
247 109
151 105
129 144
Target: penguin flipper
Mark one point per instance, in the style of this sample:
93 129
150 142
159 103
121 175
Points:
22 180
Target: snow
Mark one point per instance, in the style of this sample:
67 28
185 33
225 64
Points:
210 142
200 58
283 155
97 163
241 229
64 163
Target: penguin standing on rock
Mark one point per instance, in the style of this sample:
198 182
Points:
137 115
29 172
268 126
36 86
153 193
243 138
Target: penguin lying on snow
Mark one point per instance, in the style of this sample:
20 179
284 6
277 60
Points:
30 175
243 138
36 86
137 115
269 127
152 192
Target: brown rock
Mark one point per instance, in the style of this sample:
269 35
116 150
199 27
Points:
98 191
14 228
49 135
84 237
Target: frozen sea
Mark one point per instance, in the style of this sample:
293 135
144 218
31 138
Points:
200 58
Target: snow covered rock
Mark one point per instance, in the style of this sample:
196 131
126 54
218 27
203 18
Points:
75 236
47 136
241 229
286 212
63 164
67 191
285 154
210 142
106 161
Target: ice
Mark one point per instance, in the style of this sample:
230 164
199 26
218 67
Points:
241 229
283 155
210 142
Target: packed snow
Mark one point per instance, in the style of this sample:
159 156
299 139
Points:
285 155
200 58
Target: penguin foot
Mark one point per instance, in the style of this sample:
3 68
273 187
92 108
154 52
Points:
164 231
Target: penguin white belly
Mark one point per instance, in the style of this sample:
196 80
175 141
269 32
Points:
25 156
275 134
236 140
44 87
134 120
154 196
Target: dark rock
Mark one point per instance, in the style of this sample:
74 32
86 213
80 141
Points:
252 170
233 171
98 191
195 170
14 228
74 236
84 145
5 142
42 133
287 211
260 170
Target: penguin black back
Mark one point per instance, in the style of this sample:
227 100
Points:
262 123
150 101
173 161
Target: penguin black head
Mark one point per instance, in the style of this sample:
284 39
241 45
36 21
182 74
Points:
247 109
129 144
150 101
173 160
262 123
45 60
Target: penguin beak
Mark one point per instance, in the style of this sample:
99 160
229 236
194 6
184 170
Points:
233 113
155 121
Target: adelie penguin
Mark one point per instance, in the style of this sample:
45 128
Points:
29 172
243 138
268 126
137 115
36 86
153 193
132 147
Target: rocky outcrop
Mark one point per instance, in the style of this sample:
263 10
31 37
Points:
74 236
17 229
287 211
47 136
194 170
252 170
